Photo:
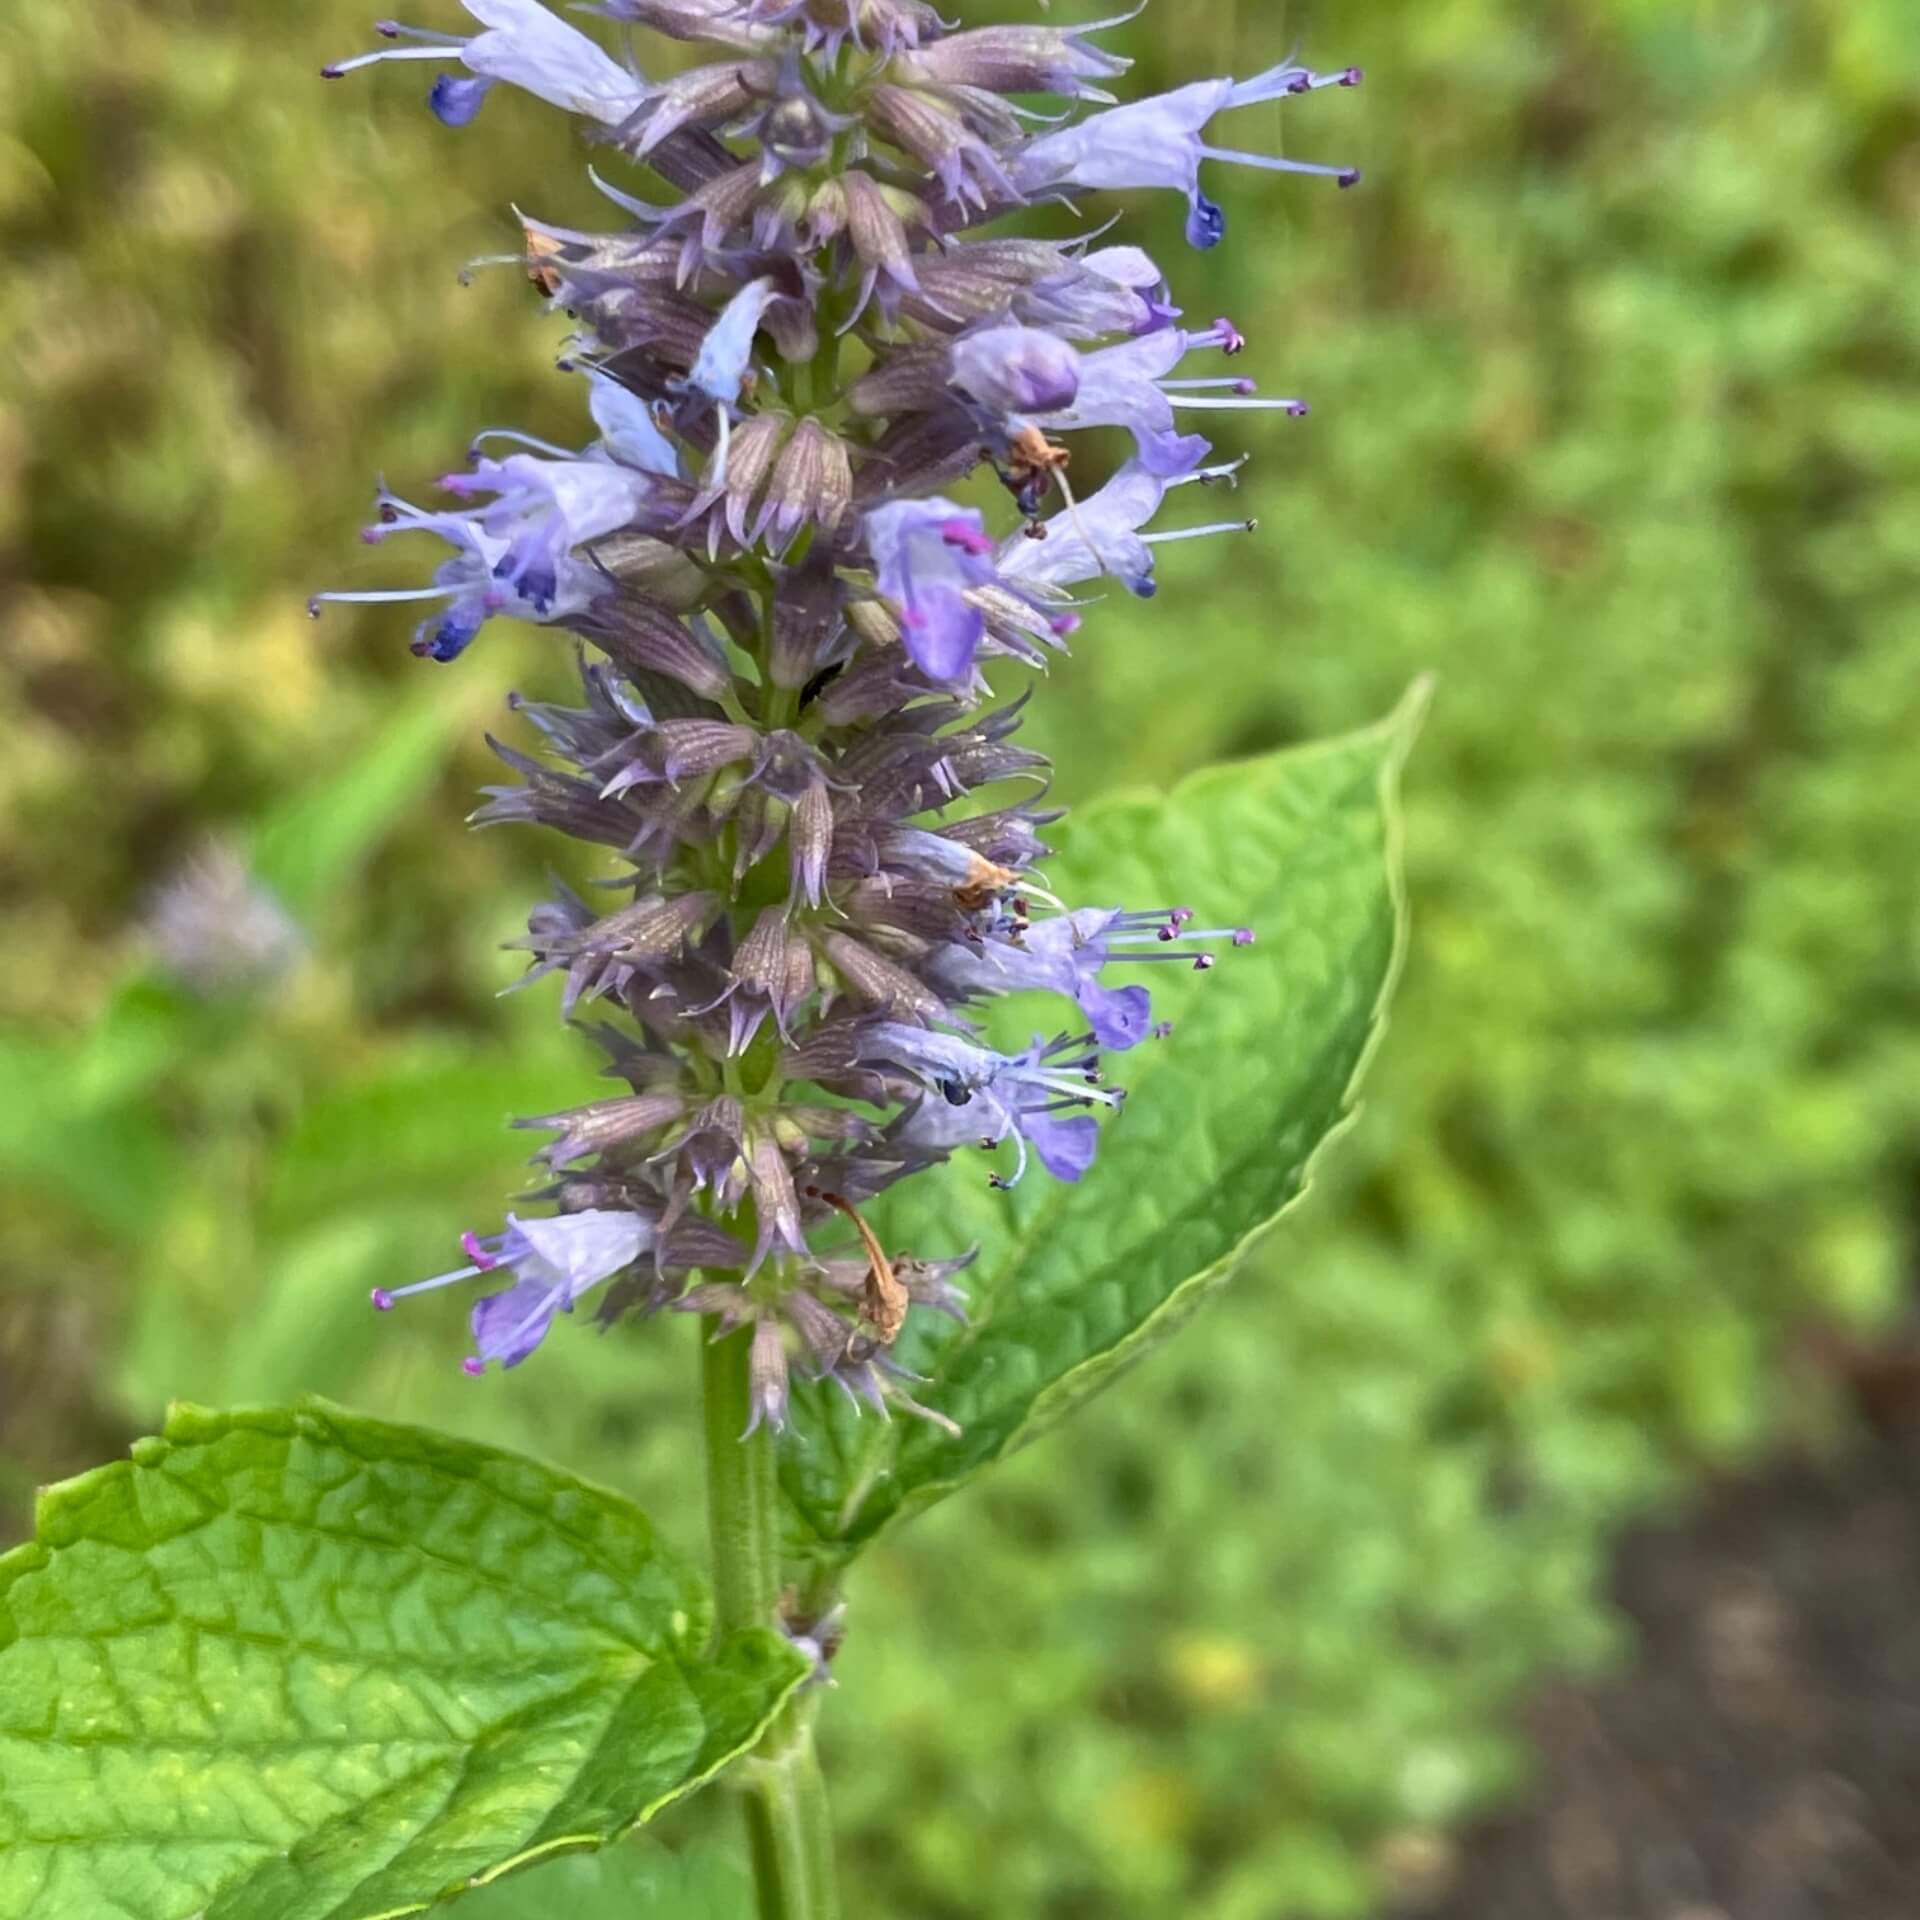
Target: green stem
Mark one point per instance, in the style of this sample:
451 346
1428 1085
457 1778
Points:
741 1491
789 1832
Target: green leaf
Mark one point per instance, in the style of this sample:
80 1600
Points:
312 842
289 1664
629 1882
1075 1282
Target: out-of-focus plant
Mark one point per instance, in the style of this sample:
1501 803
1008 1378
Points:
291 1660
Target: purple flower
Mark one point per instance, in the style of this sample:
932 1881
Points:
1158 142
1067 955
1131 385
978 1096
472 593
1064 956
514 555
1016 370
1101 535
926 554
721 369
629 432
554 1263
1111 290
785 705
524 45
544 508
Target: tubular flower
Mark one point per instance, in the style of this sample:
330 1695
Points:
522 44
926 555
1160 142
553 1264
817 837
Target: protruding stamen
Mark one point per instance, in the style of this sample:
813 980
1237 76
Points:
1305 82
1297 408
1235 382
334 69
1005 1183
395 30
1277 163
384 1297
383 595
1200 533
1229 471
514 434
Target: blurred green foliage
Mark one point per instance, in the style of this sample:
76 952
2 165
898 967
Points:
1616 369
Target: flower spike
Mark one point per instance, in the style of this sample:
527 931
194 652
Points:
817 843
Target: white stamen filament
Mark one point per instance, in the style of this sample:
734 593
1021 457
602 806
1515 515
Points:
1080 526
387 594
1272 163
1029 886
466 273
1199 533
423 520
335 68
427 1286
1248 405
1020 1157
394 30
1206 476
524 440
1073 1085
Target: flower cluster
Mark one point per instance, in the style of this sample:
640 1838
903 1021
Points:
824 837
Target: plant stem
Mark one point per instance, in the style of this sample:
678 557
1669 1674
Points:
789 1832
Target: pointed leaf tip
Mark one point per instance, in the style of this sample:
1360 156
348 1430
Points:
1218 1141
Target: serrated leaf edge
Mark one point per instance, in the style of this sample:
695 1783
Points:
1401 729
594 1843
179 1429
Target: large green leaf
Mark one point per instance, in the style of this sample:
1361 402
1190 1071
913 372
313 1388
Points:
1075 1282
633 1881
290 1664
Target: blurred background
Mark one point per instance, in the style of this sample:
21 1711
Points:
1615 365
